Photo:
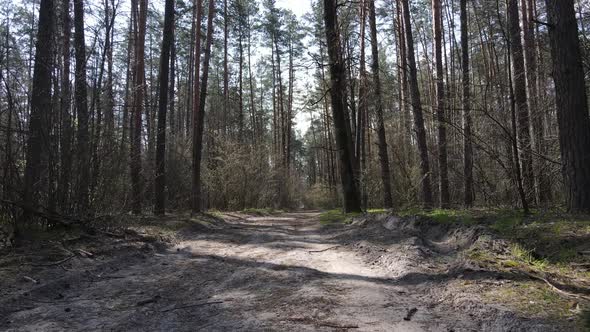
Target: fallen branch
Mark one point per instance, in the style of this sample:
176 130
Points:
85 253
337 326
54 263
192 306
555 288
315 251
31 280
148 301
50 216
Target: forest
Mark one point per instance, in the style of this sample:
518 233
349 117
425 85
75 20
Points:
202 125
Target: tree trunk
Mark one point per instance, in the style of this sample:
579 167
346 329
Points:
40 103
382 140
520 96
83 146
363 106
572 103
200 120
417 106
167 40
225 64
468 194
138 98
66 126
530 59
440 106
196 198
352 201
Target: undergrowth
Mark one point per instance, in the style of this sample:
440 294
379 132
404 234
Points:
337 216
550 245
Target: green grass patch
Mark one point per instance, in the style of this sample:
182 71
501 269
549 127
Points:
336 216
506 223
527 256
534 300
445 216
376 211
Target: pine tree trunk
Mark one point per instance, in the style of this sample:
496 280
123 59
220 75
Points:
66 126
196 167
417 107
440 106
520 96
382 140
81 98
40 103
200 121
572 103
160 180
468 193
352 201
138 98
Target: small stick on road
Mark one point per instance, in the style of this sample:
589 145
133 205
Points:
314 251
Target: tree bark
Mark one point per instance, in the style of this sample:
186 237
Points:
81 97
440 106
138 98
572 103
352 201
40 104
160 180
468 193
417 107
200 120
382 140
66 119
520 96
196 176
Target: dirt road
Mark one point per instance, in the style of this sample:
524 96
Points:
281 273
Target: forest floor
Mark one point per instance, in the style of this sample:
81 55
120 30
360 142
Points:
300 271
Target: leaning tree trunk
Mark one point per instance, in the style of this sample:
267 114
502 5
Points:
383 155
160 181
417 106
352 201
572 103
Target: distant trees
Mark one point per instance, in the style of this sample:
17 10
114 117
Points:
141 109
